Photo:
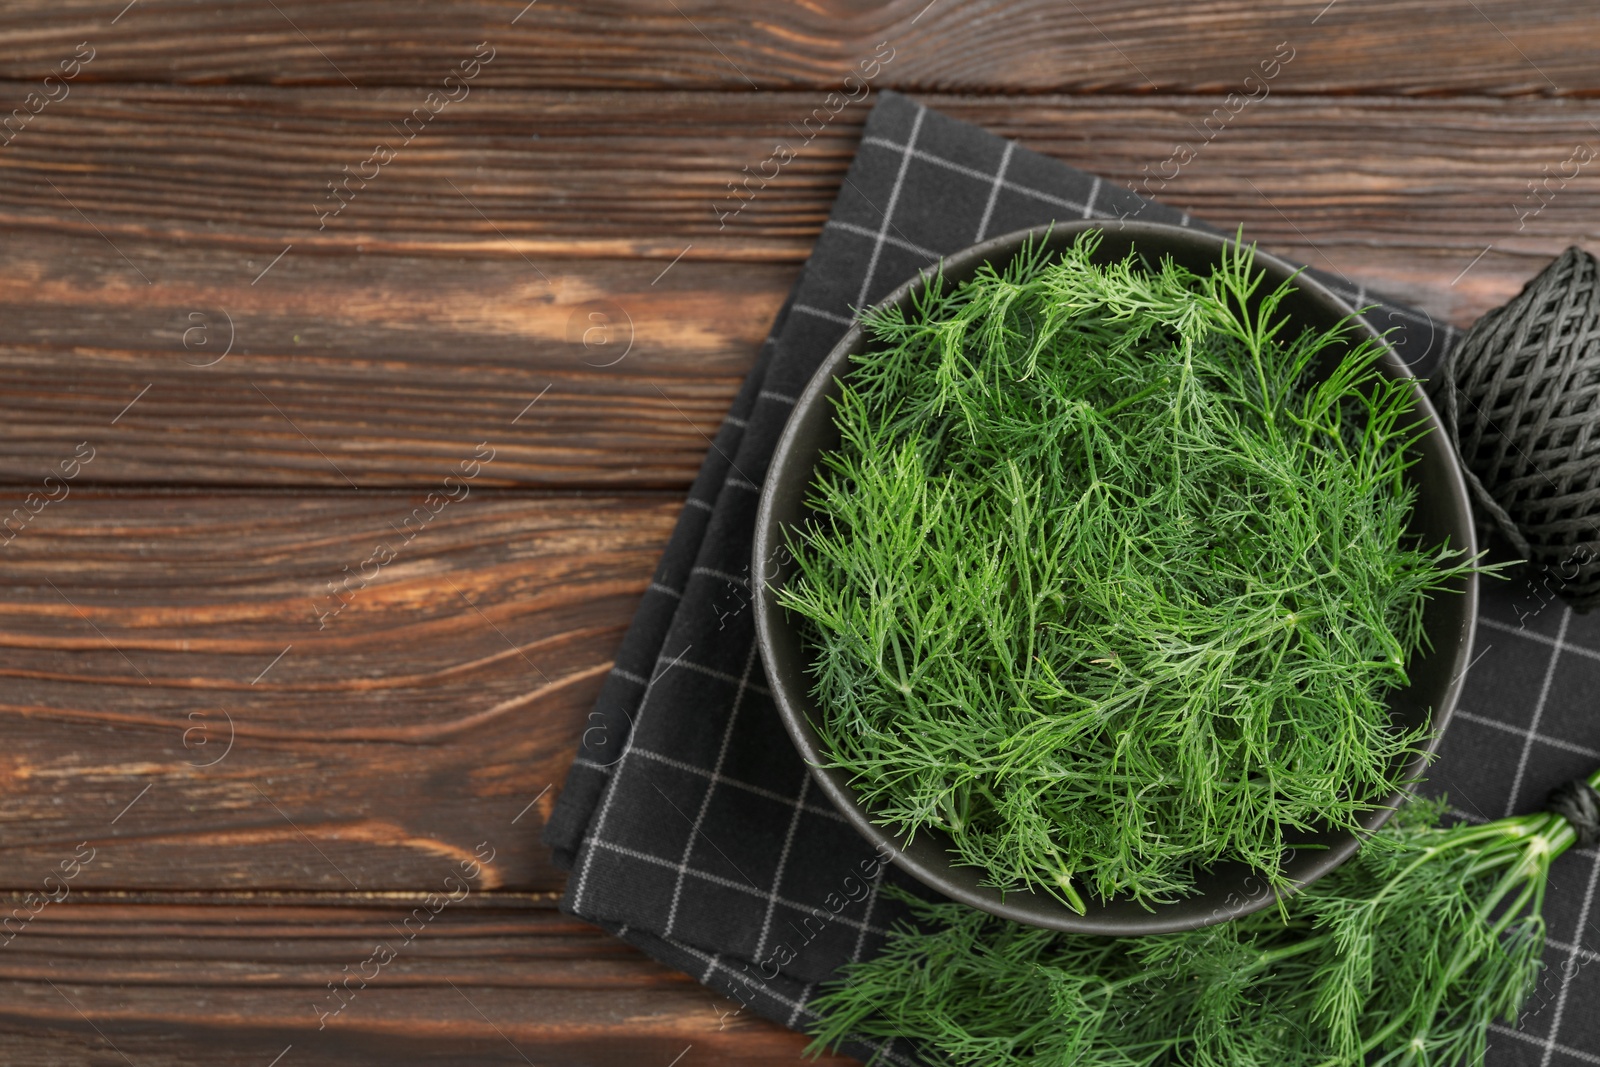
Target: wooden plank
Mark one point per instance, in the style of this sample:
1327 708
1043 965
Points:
535 179
1016 45
367 371
518 176
239 983
413 326
373 745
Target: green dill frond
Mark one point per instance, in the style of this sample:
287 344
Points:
1402 956
1109 578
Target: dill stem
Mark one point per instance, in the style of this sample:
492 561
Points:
1289 952
1143 394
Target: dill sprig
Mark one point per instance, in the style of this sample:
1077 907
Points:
1404 955
1109 577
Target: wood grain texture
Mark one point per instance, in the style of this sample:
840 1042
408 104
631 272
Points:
143 615
462 281
140 632
367 370
235 983
1409 46
536 180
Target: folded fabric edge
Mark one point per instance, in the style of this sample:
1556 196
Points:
622 690
779 999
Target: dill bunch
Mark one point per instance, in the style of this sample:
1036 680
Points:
1109 577
1402 956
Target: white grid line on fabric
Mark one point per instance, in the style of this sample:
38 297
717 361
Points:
939 161
898 242
782 398
710 672
671 592
714 963
603 768
1087 210
1548 642
712 572
1538 710
994 191
783 863
711 787
885 1048
894 197
726 883
701 504
594 839
1565 1050
1568 972
1574 950
740 483
830 316
1529 734
800 1005
866 915
611 791
1094 194
740 423
636 679
723 779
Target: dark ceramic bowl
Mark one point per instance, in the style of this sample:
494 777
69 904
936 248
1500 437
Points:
1227 890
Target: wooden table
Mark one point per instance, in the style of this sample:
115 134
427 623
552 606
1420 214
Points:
243 743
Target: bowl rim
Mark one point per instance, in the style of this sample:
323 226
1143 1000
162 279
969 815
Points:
792 696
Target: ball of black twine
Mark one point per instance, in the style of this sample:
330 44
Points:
1578 803
1521 399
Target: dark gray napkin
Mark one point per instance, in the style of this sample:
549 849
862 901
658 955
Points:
690 825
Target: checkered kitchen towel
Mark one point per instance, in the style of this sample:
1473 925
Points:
690 825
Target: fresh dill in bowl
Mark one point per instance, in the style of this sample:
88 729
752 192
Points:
1109 576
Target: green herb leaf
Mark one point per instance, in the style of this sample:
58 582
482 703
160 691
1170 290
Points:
1109 578
1404 955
